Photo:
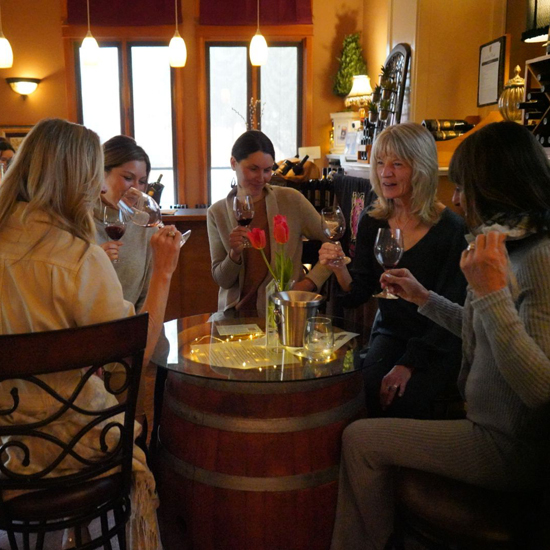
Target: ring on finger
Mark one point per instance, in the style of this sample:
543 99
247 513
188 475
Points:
471 246
172 234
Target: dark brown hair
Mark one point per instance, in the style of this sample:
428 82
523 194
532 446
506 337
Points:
249 143
122 149
505 176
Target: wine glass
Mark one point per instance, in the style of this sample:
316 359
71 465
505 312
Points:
243 208
141 209
115 224
333 223
388 249
318 338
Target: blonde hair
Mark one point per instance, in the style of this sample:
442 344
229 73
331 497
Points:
412 143
57 170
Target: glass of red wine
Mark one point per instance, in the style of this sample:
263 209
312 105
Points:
115 224
388 249
243 208
141 209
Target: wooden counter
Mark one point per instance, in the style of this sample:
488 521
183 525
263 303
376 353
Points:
193 290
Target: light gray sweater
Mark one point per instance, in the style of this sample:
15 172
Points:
505 375
302 219
134 269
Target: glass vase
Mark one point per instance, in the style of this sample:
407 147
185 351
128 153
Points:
271 334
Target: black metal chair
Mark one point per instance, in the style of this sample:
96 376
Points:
100 489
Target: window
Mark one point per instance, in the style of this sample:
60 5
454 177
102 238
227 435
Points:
147 115
267 97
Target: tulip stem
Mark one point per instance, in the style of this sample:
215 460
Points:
277 282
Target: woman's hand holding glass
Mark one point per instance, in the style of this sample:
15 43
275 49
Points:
165 244
333 223
402 283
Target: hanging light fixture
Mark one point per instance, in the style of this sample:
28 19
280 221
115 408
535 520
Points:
6 53
90 47
177 50
258 45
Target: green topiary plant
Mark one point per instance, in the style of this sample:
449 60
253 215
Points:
351 63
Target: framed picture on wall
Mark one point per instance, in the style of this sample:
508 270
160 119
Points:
15 134
491 71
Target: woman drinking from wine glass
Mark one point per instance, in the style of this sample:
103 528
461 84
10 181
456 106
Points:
54 276
127 165
240 271
410 359
503 184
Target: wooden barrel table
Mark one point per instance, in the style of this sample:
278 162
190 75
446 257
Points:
249 464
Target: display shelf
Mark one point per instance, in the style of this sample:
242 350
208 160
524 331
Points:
537 88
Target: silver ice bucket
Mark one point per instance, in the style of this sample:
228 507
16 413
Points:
292 309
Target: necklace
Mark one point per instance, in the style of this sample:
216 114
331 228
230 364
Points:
402 229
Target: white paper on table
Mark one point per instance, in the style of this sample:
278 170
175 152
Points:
248 354
236 330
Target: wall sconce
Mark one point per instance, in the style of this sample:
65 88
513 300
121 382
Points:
538 19
23 86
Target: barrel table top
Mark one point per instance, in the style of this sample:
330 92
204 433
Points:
234 350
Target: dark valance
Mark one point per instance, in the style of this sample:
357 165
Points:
122 13
243 12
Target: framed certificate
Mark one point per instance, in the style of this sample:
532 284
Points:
491 71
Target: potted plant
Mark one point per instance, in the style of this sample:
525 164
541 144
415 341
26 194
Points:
372 108
387 91
351 63
386 76
384 109
376 94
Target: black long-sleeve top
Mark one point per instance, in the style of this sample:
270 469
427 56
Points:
434 261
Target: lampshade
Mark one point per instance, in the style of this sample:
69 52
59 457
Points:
538 20
360 92
258 50
23 86
177 51
6 53
90 50
258 45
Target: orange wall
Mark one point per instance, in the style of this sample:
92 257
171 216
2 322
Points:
34 31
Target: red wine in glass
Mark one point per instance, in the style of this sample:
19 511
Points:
243 208
115 232
115 223
388 250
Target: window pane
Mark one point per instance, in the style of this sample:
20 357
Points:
228 93
152 102
100 87
279 85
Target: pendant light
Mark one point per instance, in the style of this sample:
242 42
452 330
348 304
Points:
177 50
6 53
258 45
89 48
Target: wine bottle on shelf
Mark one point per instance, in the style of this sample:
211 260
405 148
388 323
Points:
298 168
287 166
535 96
534 115
275 167
543 77
532 105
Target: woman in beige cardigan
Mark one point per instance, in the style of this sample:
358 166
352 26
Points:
241 272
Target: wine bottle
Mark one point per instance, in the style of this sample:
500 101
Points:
543 77
533 115
532 105
299 167
287 166
275 167
535 96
